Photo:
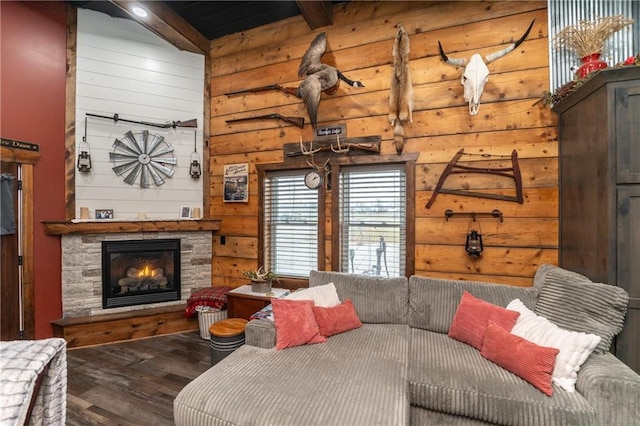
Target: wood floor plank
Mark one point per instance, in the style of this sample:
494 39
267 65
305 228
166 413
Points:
134 382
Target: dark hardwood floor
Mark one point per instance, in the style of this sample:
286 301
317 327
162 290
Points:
132 383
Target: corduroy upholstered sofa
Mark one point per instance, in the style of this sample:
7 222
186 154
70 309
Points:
401 368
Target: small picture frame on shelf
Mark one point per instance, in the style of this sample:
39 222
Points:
104 213
185 212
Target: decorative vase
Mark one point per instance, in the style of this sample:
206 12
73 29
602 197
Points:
261 286
590 63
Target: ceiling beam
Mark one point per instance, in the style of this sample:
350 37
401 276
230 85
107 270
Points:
164 22
316 13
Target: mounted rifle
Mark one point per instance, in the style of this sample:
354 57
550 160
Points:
174 124
288 90
296 121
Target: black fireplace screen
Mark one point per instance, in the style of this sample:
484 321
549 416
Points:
140 272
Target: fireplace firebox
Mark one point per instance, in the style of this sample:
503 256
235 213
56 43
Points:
140 272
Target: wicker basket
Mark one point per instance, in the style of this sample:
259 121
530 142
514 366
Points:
206 318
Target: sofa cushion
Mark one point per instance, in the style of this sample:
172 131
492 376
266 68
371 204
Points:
422 417
376 299
523 358
574 347
433 301
356 378
450 376
473 316
573 302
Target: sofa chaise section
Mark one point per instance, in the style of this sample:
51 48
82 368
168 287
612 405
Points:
355 378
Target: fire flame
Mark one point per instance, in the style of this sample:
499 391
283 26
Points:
144 272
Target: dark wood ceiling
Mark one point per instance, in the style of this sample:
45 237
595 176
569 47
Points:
215 19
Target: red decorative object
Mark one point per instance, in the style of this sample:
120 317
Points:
590 63
633 60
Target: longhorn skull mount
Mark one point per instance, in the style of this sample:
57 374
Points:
476 73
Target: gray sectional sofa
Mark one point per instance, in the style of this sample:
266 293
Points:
401 368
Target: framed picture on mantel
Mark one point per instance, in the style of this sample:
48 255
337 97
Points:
185 212
104 213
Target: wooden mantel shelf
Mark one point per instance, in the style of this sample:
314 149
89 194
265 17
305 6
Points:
113 227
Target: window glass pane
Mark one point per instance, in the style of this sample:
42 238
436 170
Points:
372 218
290 225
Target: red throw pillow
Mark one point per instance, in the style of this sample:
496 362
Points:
521 357
295 323
473 316
337 319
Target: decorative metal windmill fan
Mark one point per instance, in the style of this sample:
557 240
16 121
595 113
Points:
144 156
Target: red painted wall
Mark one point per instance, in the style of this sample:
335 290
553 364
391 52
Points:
32 109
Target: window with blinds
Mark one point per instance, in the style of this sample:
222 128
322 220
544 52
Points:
290 224
373 219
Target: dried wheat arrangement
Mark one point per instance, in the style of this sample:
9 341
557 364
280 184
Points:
587 37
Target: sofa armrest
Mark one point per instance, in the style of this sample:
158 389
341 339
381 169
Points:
612 389
260 333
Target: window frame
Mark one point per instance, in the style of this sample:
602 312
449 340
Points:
263 170
409 162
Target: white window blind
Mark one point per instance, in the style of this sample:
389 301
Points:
290 224
372 219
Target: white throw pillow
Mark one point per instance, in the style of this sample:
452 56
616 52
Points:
574 347
324 296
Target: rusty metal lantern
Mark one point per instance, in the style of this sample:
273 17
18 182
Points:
84 158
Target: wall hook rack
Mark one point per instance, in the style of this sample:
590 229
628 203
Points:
494 213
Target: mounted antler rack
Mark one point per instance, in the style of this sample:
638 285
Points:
473 215
348 146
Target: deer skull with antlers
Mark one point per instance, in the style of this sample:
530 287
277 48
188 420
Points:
476 73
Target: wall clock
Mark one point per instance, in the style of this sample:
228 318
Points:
142 158
313 179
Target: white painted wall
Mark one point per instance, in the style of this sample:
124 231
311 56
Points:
123 68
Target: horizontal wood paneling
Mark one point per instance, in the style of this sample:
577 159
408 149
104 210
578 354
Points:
125 69
360 43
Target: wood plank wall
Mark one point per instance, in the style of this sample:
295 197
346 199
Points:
360 44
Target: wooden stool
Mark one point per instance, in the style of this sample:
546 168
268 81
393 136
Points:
226 336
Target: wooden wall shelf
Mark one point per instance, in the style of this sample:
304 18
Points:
114 227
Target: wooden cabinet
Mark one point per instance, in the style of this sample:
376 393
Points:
242 302
599 160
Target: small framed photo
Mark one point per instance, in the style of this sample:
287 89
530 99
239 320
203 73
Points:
185 212
104 213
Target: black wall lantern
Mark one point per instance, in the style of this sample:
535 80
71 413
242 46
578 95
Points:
84 158
474 244
194 169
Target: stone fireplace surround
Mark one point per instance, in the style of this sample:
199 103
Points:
82 259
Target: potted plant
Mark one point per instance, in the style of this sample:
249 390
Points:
261 280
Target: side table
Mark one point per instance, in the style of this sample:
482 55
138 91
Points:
242 302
